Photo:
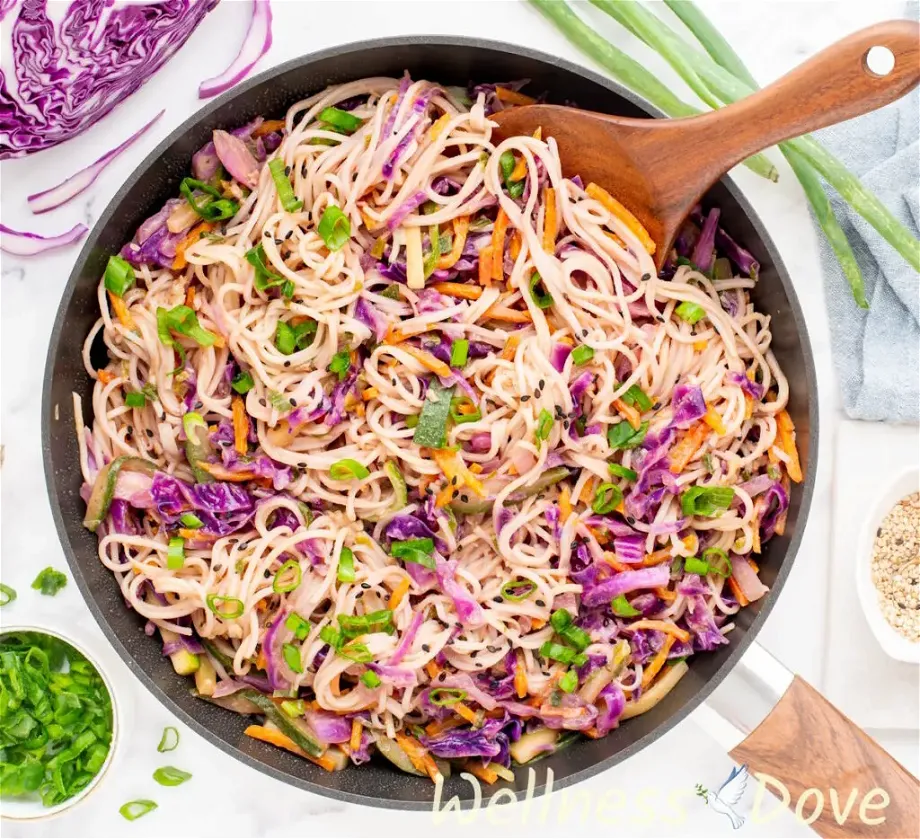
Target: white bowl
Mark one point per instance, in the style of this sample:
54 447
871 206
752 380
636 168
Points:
894 644
32 809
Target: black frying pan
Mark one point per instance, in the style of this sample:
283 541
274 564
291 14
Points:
454 61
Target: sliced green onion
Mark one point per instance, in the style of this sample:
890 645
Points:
637 397
576 636
346 570
424 544
119 276
693 565
560 619
175 554
169 740
281 176
280 402
459 352
334 228
331 636
135 399
506 164
242 382
183 320
356 652
215 209
718 561
304 332
457 414
7 594
353 626
169 776
265 278
706 501
135 809
430 261
622 435
431 430
544 425
291 656
191 521
285 340
49 581
419 557
288 577
340 364
391 292
540 296
341 120
228 608
370 679
296 624
557 652
568 682
446 696
607 498
398 482
690 312
294 707
622 608
516 188
582 355
346 468
517 590
620 471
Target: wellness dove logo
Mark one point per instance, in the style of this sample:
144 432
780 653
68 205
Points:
728 796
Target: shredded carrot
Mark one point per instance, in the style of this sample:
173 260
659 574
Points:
665 594
220 472
498 312
461 290
755 529
565 506
662 626
513 97
510 349
334 685
629 413
754 566
369 393
699 346
515 248
615 207
739 594
433 729
611 559
587 492
520 676
438 128
426 359
465 712
261 663
748 406
399 593
787 439
714 421
690 443
538 133
268 127
190 296
657 662
419 756
105 376
121 312
520 169
453 466
537 623
498 244
240 426
356 730
277 738
549 220
485 773
691 543
485 266
461 227
432 669
475 468
197 535
191 237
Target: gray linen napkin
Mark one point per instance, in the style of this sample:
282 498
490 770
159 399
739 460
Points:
877 351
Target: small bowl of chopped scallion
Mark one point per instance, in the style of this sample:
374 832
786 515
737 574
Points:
58 725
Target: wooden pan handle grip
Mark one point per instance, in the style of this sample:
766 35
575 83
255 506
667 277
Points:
807 744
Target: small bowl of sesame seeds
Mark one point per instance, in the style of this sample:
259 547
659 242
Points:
888 573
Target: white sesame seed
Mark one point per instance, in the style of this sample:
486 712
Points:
896 567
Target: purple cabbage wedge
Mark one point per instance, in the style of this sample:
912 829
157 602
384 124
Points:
624 582
688 404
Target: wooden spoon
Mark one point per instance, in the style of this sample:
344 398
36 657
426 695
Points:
660 168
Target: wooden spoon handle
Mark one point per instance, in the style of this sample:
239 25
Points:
833 86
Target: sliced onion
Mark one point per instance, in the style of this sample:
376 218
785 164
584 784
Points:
747 579
257 42
31 244
42 202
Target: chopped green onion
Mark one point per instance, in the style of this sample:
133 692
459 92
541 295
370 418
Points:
706 501
391 292
182 319
119 276
424 544
169 740
280 402
430 261
568 682
135 809
412 421
637 397
398 482
150 392
582 354
541 297
341 120
175 554
216 209
346 570
446 696
294 707
353 626
242 382
459 352
346 468
457 414
516 188
506 164
228 608
357 652
544 425
560 619
334 228
606 498
622 608
265 278
620 471
49 581
135 399
7 594
557 652
291 656
419 557
370 679
331 636
690 312
718 561
284 338
280 175
340 364
191 521
169 776
288 577
576 636
432 424
517 590
622 435
693 565
296 624
773 472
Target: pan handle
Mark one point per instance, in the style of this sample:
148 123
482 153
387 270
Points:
805 751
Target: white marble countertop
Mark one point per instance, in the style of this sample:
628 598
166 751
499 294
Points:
651 794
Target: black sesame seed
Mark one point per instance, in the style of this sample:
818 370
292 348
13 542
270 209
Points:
455 493
540 603
359 595
217 567
474 653
453 481
492 649
287 363
537 394
287 171
565 423
199 406
267 235
393 381
442 676
464 498
584 333
130 429
541 384
149 432
293 403
525 397
267 573
497 599
263 403
426 648
302 464
656 406
479 664
646 277
289 234
303 170
630 520
365 585
279 241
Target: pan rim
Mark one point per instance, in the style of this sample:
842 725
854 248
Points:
148 681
